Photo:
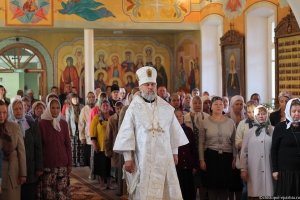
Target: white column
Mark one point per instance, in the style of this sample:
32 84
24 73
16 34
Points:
89 60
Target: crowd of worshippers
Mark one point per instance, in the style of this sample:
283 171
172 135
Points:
236 149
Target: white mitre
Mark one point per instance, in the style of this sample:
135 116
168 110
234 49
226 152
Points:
146 75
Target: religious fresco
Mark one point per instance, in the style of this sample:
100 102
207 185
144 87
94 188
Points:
233 8
115 63
283 3
156 10
89 10
187 65
29 12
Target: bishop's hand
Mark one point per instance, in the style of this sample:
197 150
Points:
129 166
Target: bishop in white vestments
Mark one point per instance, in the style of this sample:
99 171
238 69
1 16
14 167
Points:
149 138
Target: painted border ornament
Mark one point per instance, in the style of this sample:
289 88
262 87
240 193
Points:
233 8
157 10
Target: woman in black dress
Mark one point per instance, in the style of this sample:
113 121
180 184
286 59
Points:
286 152
279 115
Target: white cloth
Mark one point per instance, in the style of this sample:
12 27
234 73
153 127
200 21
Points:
83 124
256 160
158 178
48 116
288 114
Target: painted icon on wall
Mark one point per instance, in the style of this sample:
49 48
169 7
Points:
29 12
89 10
233 8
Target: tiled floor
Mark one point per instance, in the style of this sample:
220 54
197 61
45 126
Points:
83 172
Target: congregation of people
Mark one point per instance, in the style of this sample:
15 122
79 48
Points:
236 149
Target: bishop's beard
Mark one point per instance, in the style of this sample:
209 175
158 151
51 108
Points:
149 97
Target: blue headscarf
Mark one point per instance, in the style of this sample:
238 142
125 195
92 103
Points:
11 117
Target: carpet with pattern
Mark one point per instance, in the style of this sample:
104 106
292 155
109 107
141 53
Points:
80 189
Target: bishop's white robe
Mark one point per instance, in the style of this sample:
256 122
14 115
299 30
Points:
154 152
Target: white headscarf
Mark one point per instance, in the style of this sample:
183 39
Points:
11 117
204 98
198 115
231 112
288 113
48 116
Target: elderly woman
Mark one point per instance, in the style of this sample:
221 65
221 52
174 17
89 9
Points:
286 152
279 115
13 159
242 128
37 110
111 134
102 163
206 104
236 109
237 114
72 117
192 120
33 146
57 155
217 151
84 134
255 163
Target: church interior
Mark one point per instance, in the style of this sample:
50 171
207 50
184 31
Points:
43 43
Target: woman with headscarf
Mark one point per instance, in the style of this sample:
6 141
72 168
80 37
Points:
286 152
57 155
83 124
37 110
217 151
13 158
279 115
236 109
206 104
192 120
111 135
255 162
50 97
102 163
237 114
72 117
242 128
33 147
